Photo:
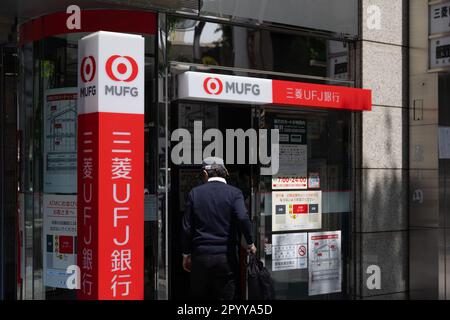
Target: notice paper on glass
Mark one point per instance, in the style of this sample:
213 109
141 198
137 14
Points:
60 232
325 265
292 173
296 210
289 251
293 159
60 140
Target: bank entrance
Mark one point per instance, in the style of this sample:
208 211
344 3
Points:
301 215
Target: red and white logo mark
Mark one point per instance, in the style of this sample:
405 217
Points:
87 69
122 68
213 85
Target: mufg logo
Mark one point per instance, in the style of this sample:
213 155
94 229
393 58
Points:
215 86
121 69
88 69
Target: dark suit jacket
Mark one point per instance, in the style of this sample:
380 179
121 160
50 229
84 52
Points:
215 212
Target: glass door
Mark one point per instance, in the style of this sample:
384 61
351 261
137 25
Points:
195 119
302 214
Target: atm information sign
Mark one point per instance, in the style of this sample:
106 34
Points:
296 210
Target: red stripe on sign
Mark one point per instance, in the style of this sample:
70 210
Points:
321 96
325 237
127 21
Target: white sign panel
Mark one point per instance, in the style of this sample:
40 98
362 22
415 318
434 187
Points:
60 143
60 231
440 52
325 265
289 251
440 18
296 210
223 88
109 81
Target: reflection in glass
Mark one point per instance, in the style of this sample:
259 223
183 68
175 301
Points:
47 131
225 45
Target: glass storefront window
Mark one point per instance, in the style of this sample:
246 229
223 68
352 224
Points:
325 140
48 124
48 146
319 156
339 17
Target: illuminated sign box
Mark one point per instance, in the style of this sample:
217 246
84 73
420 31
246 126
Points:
236 89
110 166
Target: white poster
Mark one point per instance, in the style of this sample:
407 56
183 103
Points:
60 140
296 210
293 168
59 237
325 265
293 154
289 251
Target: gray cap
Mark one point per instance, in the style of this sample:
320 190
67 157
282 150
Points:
212 163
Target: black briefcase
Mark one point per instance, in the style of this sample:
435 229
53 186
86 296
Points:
259 281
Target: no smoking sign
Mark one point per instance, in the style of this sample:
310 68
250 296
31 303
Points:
301 251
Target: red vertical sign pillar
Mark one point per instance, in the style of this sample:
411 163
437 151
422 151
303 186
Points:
110 166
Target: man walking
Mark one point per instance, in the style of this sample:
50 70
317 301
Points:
215 213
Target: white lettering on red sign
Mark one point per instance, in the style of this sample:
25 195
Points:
111 165
232 89
86 204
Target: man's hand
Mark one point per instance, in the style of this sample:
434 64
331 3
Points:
187 263
251 248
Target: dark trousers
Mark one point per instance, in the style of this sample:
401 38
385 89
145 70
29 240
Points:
214 277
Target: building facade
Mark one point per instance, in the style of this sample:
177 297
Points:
356 169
